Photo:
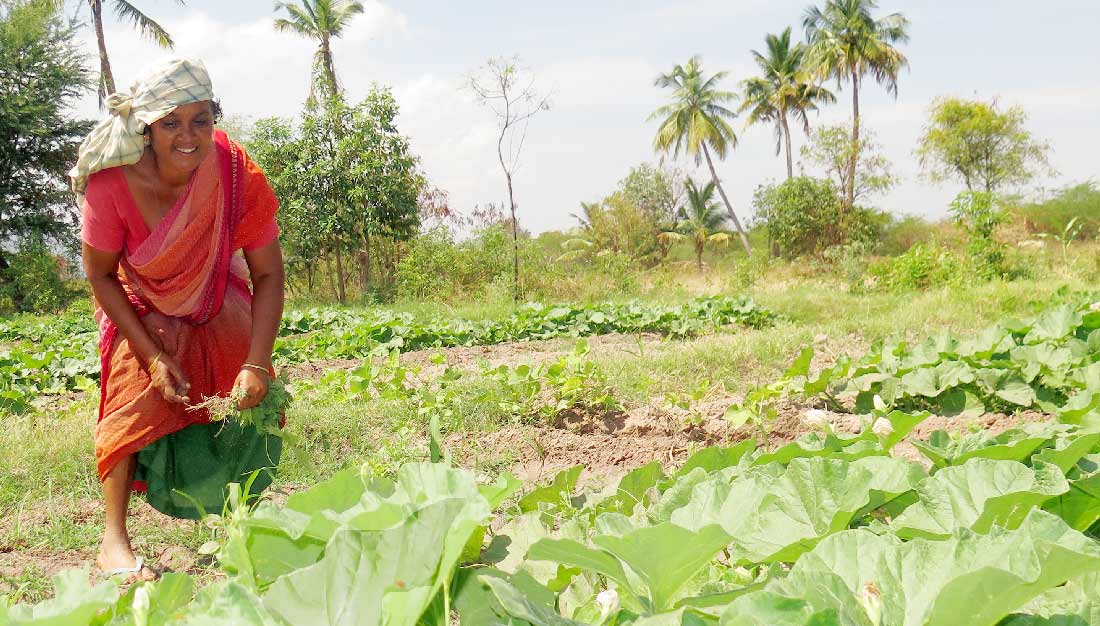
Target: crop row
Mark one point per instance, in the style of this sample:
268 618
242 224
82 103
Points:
46 358
830 529
329 334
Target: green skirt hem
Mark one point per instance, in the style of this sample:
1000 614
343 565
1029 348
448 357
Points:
187 473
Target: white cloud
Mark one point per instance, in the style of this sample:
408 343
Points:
598 125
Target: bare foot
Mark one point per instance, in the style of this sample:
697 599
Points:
115 553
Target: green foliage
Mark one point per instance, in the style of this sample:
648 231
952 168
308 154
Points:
618 225
653 190
700 220
1079 202
346 176
831 151
737 536
347 335
784 88
975 143
922 266
33 282
42 74
979 215
805 215
323 21
1047 363
427 270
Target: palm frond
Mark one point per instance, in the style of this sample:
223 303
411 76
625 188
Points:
147 26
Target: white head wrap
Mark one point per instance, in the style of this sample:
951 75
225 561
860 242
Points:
118 139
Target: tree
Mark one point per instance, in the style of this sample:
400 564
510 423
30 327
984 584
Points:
802 214
654 190
831 148
782 89
972 141
344 178
848 43
42 74
322 20
502 86
125 11
700 220
696 122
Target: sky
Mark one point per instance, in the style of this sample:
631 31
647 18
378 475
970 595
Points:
598 59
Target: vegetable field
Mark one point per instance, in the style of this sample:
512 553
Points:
872 516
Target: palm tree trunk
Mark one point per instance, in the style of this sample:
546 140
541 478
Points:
850 193
106 78
330 68
787 142
729 208
699 257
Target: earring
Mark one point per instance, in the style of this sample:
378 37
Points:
148 140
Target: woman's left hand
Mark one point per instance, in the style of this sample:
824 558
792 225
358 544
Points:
255 387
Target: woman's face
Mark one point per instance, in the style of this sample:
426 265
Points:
183 138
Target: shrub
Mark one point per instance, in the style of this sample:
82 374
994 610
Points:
1081 201
32 282
902 234
979 215
923 266
804 215
427 270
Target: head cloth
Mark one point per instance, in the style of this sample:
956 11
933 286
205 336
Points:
118 139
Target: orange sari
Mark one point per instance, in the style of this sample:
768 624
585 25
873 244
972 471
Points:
190 289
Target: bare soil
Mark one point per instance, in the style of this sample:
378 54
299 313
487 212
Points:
611 444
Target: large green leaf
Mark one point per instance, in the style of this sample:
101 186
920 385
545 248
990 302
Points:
968 579
1077 603
1080 506
387 576
1068 450
665 557
1016 444
930 382
274 540
556 494
978 495
715 458
522 607
227 602
776 516
74 602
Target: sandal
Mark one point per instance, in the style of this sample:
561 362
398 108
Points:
139 564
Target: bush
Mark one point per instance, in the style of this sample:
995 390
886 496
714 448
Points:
804 215
923 266
1081 201
902 234
427 270
33 283
979 215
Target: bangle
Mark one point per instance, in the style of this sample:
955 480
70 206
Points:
155 360
259 368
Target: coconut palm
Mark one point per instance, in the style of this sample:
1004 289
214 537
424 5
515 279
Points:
696 122
125 11
322 20
699 220
783 88
848 43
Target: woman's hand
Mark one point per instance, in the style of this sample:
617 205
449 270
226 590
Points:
168 378
255 387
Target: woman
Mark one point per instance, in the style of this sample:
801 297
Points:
168 202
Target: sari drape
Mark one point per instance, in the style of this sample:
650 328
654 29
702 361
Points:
191 292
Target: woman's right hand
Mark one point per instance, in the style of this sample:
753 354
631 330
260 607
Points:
168 378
